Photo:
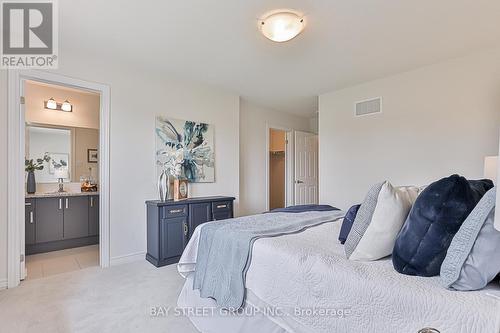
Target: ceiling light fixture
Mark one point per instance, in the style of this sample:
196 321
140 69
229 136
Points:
282 26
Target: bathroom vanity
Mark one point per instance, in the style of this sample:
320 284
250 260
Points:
57 221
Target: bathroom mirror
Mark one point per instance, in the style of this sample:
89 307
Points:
64 145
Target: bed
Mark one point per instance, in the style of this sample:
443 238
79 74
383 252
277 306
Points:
302 282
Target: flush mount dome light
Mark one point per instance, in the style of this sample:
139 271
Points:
282 26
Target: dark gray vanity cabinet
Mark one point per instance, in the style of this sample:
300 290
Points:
93 215
76 217
170 224
29 221
57 223
49 224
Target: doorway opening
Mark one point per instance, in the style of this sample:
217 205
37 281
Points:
87 225
61 197
277 168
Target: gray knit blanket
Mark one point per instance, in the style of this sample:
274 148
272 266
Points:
225 250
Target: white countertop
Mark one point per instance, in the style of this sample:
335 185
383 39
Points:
59 194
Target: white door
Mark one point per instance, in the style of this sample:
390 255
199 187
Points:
306 168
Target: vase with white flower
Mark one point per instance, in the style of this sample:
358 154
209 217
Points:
171 165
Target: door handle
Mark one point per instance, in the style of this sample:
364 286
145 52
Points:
60 204
67 203
185 229
299 182
32 219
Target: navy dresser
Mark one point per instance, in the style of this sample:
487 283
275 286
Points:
170 224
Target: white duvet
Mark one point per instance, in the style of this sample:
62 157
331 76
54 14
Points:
307 277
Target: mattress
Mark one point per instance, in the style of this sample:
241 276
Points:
304 283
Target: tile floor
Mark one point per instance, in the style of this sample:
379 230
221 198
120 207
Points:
57 262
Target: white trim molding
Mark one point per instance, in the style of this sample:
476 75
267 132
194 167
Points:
3 284
128 258
15 171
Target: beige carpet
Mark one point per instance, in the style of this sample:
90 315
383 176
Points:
94 300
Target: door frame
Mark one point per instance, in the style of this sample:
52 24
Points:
289 195
15 168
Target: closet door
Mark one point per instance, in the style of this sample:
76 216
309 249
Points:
306 168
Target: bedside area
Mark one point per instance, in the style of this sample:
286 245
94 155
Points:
58 221
170 224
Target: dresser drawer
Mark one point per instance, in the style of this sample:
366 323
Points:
219 206
174 211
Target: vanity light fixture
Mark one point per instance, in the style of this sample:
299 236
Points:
51 104
282 26
66 106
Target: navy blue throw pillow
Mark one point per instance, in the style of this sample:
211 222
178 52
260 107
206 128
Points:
347 223
434 219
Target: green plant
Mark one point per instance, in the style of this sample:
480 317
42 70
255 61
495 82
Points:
31 166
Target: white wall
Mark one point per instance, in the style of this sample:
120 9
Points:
436 120
253 126
136 97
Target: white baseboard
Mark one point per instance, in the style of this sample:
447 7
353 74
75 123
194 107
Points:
3 284
127 258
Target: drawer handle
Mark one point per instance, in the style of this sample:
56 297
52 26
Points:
32 219
27 203
173 211
185 229
221 206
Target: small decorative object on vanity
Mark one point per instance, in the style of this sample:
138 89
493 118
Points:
180 189
61 173
30 167
87 185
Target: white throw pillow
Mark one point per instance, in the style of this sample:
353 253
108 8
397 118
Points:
393 206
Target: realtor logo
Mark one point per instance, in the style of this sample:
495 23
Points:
29 34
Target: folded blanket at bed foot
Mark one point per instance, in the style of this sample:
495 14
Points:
225 250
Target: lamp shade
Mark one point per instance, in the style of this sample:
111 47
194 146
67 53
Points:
491 168
51 104
61 173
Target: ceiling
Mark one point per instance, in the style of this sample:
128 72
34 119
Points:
217 42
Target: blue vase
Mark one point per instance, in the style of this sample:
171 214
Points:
31 183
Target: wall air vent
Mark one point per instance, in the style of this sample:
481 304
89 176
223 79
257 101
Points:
369 106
